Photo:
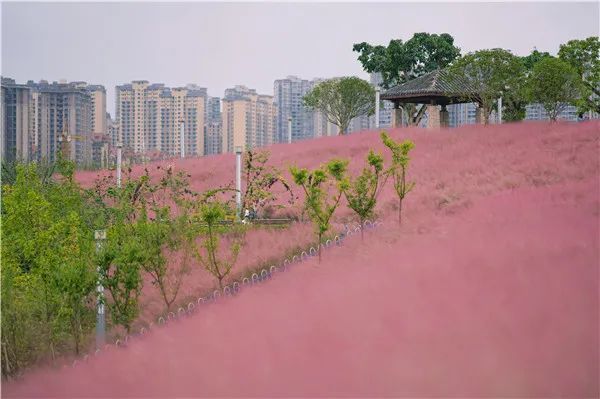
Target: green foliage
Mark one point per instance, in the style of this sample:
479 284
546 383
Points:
361 192
584 57
492 74
515 99
124 254
402 61
260 179
397 170
554 84
342 99
317 185
120 262
48 274
168 237
222 242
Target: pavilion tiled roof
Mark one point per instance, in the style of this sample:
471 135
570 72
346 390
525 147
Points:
438 83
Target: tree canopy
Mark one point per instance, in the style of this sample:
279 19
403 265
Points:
584 57
342 99
553 83
402 61
493 73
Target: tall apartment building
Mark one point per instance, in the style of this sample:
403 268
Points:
61 109
37 116
213 113
16 100
248 119
289 94
149 117
98 98
386 108
462 114
213 140
537 112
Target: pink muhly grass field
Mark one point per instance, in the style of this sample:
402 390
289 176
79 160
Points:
489 288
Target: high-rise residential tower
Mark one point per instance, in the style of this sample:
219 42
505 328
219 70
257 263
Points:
289 94
248 119
149 117
15 122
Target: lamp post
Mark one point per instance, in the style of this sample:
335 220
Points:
238 182
377 92
100 236
119 148
289 129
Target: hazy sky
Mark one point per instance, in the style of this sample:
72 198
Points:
218 45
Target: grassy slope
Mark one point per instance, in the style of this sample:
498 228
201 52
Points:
489 288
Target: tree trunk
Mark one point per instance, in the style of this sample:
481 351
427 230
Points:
319 247
362 228
400 211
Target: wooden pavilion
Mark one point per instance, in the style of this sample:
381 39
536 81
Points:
435 90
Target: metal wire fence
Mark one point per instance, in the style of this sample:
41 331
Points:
235 287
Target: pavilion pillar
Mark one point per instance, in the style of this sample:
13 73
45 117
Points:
444 117
397 116
479 116
433 112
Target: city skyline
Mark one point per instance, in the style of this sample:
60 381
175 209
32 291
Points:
260 55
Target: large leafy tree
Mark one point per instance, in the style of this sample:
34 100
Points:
48 273
554 84
515 99
491 73
584 57
342 99
402 61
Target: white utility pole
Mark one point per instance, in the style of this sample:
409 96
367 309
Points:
238 182
100 236
119 148
289 129
500 110
377 92
182 138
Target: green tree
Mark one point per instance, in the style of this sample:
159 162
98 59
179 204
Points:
319 203
492 74
260 179
398 169
124 254
48 274
553 83
515 99
401 61
222 242
361 192
168 237
341 100
584 56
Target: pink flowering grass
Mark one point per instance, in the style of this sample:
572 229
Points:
489 288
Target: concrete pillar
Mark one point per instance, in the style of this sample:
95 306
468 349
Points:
433 113
444 117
